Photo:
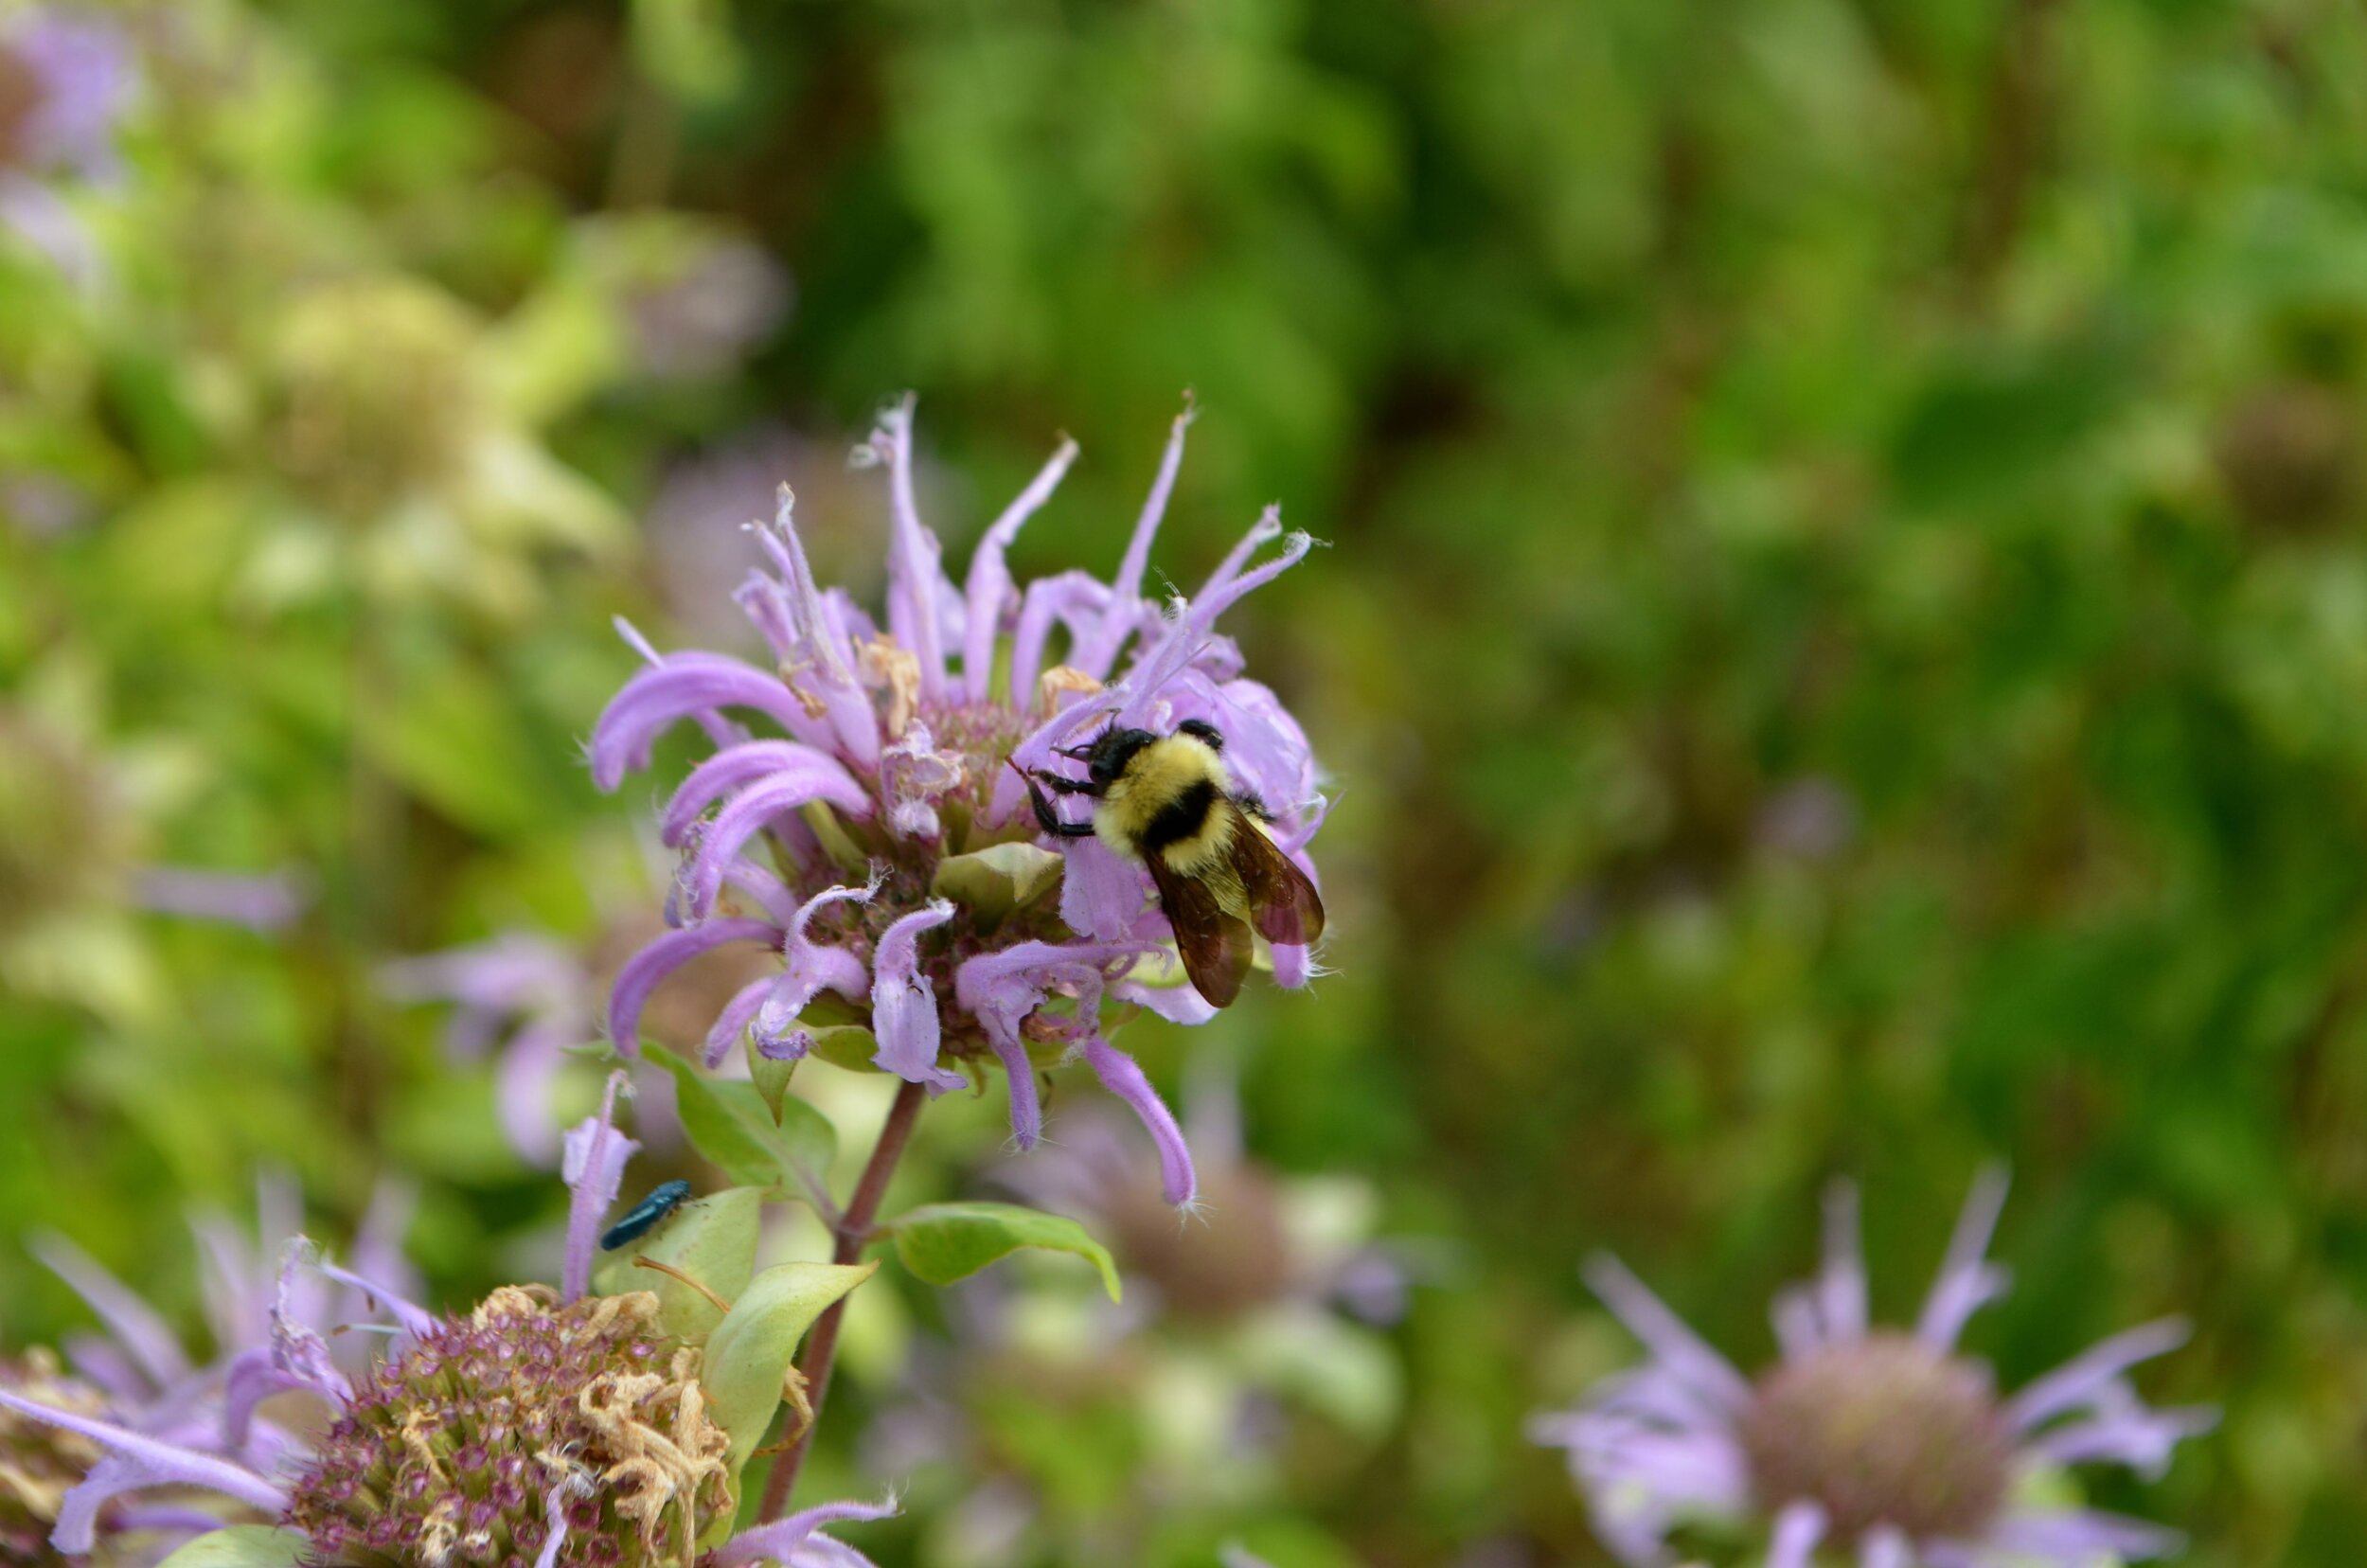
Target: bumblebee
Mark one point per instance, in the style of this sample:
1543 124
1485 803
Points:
1168 803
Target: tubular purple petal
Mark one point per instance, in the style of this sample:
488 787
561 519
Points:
1104 898
684 686
135 1323
990 590
913 554
747 814
1885 1547
1074 599
1841 1287
2072 1536
2085 1375
780 1539
153 1462
904 1005
1120 1074
523 1080
1664 1334
593 1168
829 656
1026 1107
643 973
414 1320
1098 650
738 767
1966 1282
1799 1526
732 1020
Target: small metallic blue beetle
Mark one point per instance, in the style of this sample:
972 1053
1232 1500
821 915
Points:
662 1201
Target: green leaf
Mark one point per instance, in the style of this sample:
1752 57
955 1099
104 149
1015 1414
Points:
713 1239
748 1352
730 1123
991 882
848 1046
943 1242
241 1546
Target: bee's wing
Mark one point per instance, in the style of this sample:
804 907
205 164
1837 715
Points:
1215 946
1282 901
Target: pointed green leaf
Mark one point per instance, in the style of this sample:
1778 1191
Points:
848 1046
713 1239
749 1353
730 1123
943 1242
241 1546
993 882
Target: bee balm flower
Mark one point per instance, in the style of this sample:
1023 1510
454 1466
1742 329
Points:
1886 1445
873 836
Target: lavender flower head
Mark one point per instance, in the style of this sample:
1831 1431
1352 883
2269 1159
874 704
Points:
1888 1446
544 1426
64 83
879 842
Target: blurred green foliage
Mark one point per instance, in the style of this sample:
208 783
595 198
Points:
1842 650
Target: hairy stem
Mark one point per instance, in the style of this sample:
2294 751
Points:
852 1231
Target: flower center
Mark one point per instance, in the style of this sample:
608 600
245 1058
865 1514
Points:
458 1453
1884 1431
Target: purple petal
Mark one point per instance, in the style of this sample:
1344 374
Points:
819 638
733 769
904 1005
1965 1283
1177 1003
642 974
555 1521
685 686
780 1539
1799 1326
2084 1376
593 1168
734 1019
1189 629
913 554
1664 1334
1122 1077
1799 1526
990 589
414 1320
141 1461
1026 1107
1096 653
264 902
136 1326
2074 1536
1885 1546
751 810
530 1066
1074 599
1103 898
809 969
377 1246
1840 1288
2135 1435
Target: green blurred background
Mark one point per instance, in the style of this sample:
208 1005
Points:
1844 648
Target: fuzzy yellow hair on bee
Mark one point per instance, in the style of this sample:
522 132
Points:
1170 803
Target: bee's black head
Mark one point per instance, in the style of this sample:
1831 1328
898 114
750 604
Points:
1106 756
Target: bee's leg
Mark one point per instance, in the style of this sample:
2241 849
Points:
1046 818
1067 785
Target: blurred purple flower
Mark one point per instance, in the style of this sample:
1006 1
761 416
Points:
163 1418
261 901
837 847
717 305
529 995
568 1432
1886 1445
64 83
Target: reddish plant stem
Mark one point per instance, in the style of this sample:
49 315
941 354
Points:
852 1231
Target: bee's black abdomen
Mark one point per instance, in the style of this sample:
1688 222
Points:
1182 817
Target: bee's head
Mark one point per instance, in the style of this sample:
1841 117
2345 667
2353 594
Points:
1106 756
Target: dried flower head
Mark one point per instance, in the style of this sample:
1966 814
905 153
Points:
881 845
523 1419
1890 1445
